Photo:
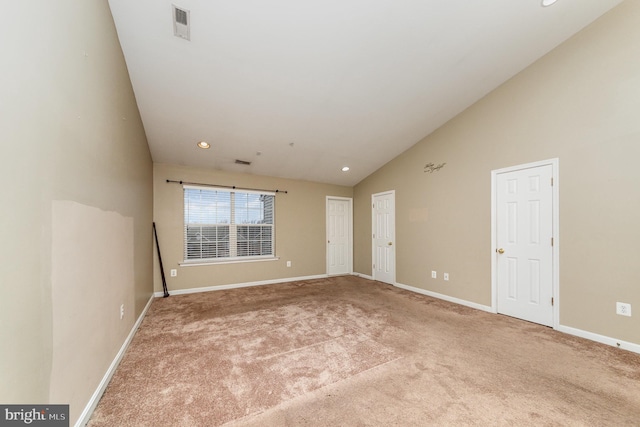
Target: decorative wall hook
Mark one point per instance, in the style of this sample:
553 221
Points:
432 167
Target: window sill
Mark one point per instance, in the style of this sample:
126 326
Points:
226 261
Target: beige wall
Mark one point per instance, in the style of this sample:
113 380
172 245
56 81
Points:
74 154
300 228
579 103
73 157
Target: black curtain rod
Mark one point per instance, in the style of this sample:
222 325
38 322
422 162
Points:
226 186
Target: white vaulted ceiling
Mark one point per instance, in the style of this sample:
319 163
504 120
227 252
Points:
316 85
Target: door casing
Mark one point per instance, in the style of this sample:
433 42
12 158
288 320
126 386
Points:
556 240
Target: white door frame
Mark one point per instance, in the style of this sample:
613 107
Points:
373 224
556 238
350 234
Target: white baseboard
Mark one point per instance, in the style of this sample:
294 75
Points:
364 276
599 338
625 345
95 398
240 285
446 298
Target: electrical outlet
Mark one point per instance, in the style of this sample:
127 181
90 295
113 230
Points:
288 263
121 311
623 309
174 272
434 275
446 276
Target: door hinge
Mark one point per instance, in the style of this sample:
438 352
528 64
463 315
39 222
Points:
552 241
374 235
552 301
552 181
374 266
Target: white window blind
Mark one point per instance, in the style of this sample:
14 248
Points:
221 224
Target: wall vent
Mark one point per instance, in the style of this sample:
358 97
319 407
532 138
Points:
242 162
181 23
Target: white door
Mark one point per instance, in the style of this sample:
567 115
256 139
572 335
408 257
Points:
384 252
338 236
524 243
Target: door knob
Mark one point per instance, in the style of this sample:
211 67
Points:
390 243
500 251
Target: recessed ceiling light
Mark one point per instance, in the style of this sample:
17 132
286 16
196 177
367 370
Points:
204 145
345 168
546 3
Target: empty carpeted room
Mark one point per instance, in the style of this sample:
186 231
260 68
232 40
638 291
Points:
364 213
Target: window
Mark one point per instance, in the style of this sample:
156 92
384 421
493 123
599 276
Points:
221 224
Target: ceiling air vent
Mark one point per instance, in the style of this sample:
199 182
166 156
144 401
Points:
181 19
242 162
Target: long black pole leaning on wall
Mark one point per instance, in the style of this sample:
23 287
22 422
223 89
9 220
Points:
164 281
225 186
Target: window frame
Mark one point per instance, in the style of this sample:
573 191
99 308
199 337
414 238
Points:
232 226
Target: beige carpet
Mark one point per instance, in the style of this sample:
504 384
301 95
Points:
351 352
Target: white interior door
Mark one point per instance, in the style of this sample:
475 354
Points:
338 236
384 225
524 243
